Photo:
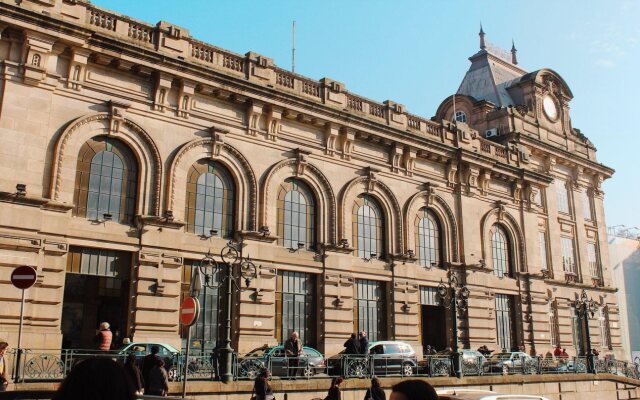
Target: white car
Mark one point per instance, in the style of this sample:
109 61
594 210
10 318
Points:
473 394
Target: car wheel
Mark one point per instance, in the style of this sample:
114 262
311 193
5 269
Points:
308 372
407 369
505 370
356 368
173 374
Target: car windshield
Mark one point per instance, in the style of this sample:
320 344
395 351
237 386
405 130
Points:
259 352
500 356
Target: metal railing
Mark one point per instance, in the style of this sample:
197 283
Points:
47 365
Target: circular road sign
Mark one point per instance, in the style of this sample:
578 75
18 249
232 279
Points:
23 277
189 311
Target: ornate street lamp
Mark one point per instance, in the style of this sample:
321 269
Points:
586 308
454 297
208 269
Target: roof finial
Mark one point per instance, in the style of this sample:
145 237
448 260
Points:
514 59
482 45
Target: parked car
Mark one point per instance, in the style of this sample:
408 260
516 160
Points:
473 394
510 362
383 358
167 353
440 365
274 359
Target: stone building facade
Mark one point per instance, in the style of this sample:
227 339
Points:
142 149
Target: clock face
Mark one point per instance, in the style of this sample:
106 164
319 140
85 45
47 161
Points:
550 108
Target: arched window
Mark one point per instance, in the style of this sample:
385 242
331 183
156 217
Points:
428 243
106 181
368 228
296 215
210 199
461 116
500 251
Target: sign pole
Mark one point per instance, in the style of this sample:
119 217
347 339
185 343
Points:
186 364
189 312
19 355
22 278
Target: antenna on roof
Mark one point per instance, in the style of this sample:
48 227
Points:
293 49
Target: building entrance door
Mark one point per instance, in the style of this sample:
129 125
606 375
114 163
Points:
96 290
434 327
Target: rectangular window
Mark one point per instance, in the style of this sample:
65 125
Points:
586 205
554 329
562 195
204 333
370 310
605 329
429 296
592 257
542 239
568 255
577 332
505 321
295 306
99 262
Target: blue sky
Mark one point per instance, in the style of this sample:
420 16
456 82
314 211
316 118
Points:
415 53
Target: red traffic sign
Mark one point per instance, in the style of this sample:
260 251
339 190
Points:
23 277
189 311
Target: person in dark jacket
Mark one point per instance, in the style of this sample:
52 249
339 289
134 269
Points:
334 390
352 346
375 392
158 384
293 350
148 362
134 372
413 390
363 342
261 386
96 378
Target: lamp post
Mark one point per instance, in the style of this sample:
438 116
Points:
586 309
455 297
208 269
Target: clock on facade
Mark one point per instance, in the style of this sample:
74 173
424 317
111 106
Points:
550 109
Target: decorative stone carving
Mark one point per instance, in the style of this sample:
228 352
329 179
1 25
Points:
185 99
332 133
409 160
347 137
117 115
274 117
396 153
483 181
516 192
254 112
301 161
370 174
77 68
452 168
550 164
217 140
162 89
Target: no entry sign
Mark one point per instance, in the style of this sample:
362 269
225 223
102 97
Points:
189 311
23 277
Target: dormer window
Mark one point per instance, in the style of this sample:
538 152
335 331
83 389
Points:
461 116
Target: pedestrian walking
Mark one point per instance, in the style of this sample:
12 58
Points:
429 351
363 342
104 337
134 372
375 392
96 378
352 345
215 359
158 380
293 350
4 373
148 362
261 388
334 390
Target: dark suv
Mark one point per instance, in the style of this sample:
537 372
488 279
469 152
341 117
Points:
384 358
